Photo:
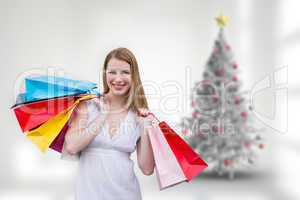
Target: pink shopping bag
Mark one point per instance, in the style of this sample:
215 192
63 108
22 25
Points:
167 168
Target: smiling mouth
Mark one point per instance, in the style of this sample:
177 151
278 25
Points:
118 86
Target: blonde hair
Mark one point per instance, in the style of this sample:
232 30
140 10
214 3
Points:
135 98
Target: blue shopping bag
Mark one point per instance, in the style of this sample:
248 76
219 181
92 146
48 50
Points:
45 87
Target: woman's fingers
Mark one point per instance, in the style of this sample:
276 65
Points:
144 112
101 106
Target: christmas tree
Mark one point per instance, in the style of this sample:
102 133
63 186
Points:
220 127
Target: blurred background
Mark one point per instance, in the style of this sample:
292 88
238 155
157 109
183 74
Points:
172 41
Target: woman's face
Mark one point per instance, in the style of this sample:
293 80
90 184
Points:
118 76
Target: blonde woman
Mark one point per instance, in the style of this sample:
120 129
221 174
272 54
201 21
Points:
105 131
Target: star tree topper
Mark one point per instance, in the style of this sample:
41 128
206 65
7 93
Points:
222 20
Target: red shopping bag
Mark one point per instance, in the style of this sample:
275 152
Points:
58 142
190 162
31 115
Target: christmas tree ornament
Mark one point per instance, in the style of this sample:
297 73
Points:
195 114
215 129
220 72
234 78
234 65
237 100
247 144
227 46
215 99
244 114
228 162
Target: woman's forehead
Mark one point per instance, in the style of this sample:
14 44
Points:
117 64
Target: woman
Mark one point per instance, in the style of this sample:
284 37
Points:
105 131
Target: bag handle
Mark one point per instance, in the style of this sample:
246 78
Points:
151 113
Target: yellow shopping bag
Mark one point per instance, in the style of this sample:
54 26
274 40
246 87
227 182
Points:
44 135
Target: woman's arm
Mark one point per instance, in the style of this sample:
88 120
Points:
80 134
144 150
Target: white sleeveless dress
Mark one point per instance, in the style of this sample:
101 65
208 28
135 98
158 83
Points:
106 171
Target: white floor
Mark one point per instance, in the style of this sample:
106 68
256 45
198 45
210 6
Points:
273 177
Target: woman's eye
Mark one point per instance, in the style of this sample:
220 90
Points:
126 72
112 72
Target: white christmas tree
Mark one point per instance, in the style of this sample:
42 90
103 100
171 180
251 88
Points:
220 127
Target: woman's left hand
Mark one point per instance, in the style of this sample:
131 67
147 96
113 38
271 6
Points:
143 112
145 119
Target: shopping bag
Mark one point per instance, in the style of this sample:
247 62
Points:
45 87
21 98
31 115
58 142
45 134
190 162
167 168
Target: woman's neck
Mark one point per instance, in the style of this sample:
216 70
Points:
116 102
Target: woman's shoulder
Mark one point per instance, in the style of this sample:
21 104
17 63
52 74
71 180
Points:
135 117
94 102
88 106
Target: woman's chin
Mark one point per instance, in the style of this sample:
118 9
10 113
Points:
119 92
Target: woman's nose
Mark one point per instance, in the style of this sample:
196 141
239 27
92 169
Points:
118 77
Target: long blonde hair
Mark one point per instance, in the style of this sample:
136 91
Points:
135 98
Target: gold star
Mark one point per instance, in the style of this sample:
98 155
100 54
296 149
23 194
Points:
222 20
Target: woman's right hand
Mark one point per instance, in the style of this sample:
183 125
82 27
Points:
101 105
